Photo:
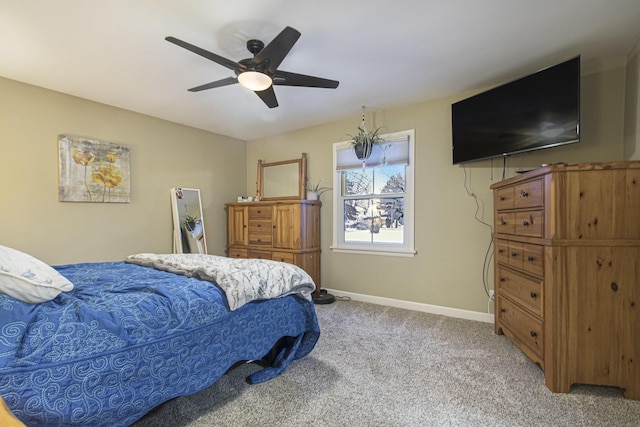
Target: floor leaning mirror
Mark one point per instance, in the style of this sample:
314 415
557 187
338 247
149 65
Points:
188 222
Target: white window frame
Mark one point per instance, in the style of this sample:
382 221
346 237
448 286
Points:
407 249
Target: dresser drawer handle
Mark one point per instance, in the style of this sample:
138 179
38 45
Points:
533 334
502 280
530 258
503 222
502 198
514 254
259 211
534 295
500 251
525 223
525 194
502 310
259 225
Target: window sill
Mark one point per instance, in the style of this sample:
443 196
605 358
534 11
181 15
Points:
374 251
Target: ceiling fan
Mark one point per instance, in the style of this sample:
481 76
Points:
260 73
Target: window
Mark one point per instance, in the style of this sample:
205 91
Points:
373 201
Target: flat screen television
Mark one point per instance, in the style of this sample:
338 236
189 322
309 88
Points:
537 111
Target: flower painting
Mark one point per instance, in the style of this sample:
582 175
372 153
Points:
93 171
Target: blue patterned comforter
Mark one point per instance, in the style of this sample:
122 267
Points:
128 338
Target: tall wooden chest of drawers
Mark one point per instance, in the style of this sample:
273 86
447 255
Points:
287 231
567 272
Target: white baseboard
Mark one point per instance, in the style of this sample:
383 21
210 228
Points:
416 306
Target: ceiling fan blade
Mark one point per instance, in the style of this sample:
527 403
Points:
284 78
279 47
217 83
232 65
268 96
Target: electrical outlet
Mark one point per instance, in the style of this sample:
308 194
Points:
492 295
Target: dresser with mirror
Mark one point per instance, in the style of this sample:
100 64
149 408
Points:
280 225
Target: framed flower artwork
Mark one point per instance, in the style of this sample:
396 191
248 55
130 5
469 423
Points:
93 171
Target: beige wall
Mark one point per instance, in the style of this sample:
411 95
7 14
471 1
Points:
451 244
163 155
632 105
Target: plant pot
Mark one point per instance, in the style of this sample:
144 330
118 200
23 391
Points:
312 195
363 150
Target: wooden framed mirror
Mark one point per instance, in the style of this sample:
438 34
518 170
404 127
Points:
282 180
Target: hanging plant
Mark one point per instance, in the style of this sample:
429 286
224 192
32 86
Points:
190 222
363 141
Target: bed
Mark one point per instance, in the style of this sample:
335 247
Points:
120 338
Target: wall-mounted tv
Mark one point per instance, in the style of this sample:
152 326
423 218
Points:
537 111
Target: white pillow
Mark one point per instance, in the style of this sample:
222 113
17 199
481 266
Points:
28 279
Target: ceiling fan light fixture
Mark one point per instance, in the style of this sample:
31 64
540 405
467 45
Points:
254 80
256 74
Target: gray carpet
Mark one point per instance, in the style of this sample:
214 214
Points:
382 366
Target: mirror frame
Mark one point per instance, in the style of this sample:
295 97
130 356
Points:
302 179
176 193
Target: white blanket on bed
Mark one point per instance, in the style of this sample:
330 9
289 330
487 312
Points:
243 280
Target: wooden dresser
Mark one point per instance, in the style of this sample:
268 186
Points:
287 231
567 272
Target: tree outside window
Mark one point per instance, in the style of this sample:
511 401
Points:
374 204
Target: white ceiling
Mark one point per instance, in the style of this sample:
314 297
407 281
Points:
385 53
